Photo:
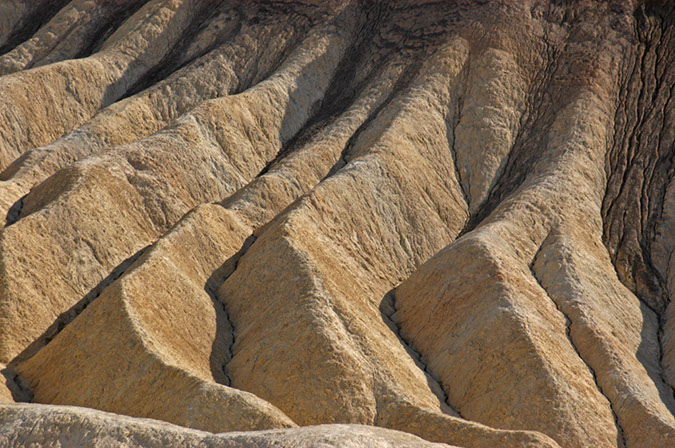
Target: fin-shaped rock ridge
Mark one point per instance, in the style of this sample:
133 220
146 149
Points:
346 223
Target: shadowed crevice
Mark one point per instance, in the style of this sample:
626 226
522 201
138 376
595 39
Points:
219 276
388 311
14 212
621 440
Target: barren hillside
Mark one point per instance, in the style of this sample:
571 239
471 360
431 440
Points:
354 223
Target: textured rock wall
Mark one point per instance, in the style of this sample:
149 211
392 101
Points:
451 219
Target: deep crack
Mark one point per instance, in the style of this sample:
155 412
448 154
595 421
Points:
568 333
388 309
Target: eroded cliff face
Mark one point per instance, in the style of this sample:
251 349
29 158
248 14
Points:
450 219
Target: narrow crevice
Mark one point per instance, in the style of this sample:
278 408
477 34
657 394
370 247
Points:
14 212
662 374
568 327
459 104
17 387
388 310
216 279
68 316
660 332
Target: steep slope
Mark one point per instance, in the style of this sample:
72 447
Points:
452 219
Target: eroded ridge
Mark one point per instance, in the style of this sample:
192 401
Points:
451 219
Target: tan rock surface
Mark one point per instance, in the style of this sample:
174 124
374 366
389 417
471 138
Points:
452 219
5 383
59 426
153 182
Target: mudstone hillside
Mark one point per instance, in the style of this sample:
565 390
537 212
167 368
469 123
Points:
338 223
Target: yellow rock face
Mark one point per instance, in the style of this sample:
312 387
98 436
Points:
454 221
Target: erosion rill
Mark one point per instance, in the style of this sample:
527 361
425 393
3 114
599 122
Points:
362 223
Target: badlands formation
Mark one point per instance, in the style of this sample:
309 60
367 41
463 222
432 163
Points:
353 223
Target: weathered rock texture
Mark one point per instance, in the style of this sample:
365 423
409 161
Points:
60 426
451 219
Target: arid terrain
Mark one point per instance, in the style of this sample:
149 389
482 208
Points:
338 223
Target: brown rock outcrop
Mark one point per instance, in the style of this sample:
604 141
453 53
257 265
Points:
452 219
